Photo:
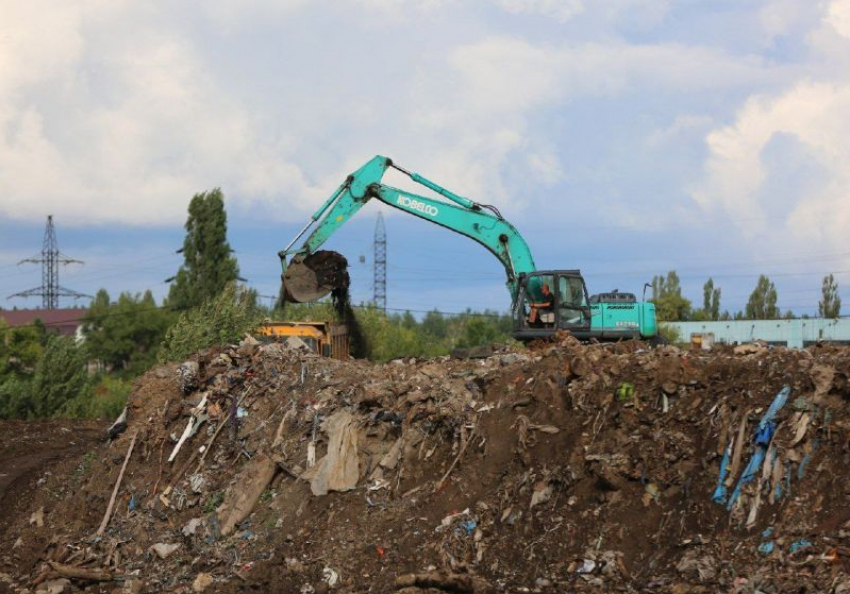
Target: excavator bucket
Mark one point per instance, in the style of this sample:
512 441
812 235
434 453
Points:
311 277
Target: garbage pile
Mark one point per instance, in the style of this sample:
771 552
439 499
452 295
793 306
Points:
562 468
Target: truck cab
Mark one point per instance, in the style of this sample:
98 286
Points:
570 309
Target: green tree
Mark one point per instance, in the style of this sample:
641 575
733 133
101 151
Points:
21 348
434 324
125 335
762 302
711 300
60 376
208 261
223 319
15 398
670 306
480 331
830 303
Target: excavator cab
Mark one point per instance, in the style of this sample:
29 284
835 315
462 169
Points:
570 309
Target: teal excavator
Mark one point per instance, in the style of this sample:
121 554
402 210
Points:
312 273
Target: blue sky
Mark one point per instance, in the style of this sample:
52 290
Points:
625 138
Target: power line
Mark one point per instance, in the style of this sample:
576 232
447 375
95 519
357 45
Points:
50 259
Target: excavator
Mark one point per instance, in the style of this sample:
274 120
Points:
312 273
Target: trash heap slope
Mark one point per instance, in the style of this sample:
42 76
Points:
569 468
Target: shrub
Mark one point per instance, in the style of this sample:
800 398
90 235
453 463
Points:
221 320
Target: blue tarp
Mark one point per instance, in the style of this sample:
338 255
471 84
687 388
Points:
764 433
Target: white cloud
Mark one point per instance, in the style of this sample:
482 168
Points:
119 112
785 156
838 16
126 132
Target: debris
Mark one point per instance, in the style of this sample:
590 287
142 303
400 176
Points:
57 586
192 526
191 427
330 577
587 566
625 391
538 469
164 550
119 426
188 373
799 545
542 493
243 495
202 582
339 469
462 584
694 566
37 518
79 573
111 505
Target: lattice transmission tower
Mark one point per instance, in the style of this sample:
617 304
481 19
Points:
380 265
50 259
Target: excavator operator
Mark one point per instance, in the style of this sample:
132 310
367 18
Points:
547 305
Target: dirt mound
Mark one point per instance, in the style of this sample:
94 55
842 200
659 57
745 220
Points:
569 468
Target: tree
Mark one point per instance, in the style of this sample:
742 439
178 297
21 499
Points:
21 348
670 306
208 262
830 303
762 302
60 376
435 324
15 398
125 335
711 300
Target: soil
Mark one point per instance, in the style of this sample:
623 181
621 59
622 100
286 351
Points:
565 468
32 451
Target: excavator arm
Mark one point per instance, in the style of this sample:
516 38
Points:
308 276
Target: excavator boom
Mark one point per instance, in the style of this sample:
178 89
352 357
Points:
310 275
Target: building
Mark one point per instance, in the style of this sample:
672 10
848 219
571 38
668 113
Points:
65 321
795 334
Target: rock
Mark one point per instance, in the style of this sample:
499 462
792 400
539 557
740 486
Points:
54 586
202 582
189 374
248 346
163 550
669 388
695 567
37 518
478 352
191 526
542 493
132 586
511 358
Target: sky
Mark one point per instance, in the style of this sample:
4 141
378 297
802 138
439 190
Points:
625 138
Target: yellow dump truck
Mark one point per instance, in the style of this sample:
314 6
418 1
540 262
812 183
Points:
328 339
